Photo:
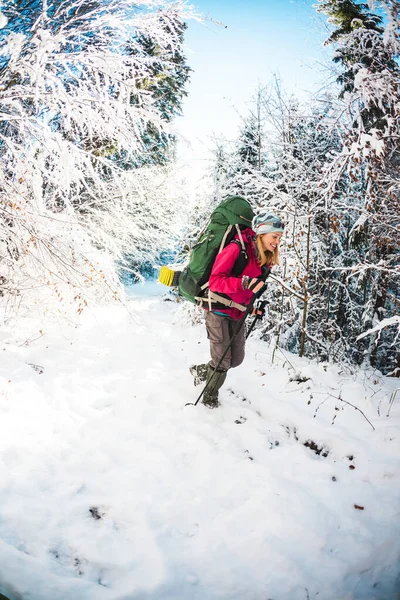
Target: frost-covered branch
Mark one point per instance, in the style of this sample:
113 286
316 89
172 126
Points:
395 320
79 113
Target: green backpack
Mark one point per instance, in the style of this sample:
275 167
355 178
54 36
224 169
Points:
230 217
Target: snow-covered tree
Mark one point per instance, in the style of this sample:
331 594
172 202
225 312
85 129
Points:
368 53
68 212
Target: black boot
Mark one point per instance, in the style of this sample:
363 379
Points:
210 396
199 373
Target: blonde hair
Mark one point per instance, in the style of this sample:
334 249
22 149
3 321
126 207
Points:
266 257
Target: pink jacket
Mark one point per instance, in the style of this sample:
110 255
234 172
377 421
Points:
222 281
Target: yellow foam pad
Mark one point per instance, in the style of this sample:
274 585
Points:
166 276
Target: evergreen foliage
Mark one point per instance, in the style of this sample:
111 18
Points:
249 144
370 159
168 74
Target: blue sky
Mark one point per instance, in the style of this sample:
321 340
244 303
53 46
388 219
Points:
261 39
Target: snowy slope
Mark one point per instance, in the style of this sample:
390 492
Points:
110 488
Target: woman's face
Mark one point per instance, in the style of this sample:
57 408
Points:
271 241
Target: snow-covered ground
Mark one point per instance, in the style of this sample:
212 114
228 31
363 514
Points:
110 488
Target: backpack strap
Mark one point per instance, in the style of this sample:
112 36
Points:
226 236
223 241
240 238
241 260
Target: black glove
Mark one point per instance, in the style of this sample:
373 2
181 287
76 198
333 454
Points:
256 283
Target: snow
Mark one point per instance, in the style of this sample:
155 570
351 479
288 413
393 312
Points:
112 488
3 20
395 320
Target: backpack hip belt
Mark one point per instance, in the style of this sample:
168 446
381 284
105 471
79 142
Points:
212 297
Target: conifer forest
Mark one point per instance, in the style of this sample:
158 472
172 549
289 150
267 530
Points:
92 197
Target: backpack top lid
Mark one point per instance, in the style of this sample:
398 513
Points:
233 210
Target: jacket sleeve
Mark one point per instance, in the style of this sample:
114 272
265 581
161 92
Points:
220 278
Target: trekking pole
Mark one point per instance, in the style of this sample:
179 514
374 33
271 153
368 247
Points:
241 323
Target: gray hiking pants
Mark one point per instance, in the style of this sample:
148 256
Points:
220 331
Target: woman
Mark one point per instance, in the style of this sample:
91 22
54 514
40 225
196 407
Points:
262 251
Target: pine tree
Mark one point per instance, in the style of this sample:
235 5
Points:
249 144
360 47
248 158
368 54
167 76
350 18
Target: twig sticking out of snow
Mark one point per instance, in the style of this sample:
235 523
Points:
353 406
